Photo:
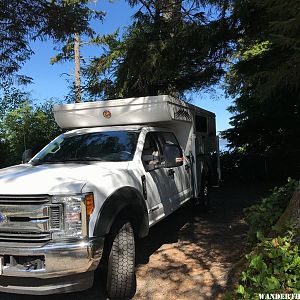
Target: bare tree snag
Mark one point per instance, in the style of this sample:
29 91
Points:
77 67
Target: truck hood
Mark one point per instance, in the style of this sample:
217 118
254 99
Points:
53 178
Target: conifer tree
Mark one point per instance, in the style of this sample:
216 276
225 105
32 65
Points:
265 80
171 47
24 21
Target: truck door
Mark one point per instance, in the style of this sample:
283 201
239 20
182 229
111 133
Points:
157 181
180 177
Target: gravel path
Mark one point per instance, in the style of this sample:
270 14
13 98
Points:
190 256
187 255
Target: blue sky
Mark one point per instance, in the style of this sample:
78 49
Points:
50 81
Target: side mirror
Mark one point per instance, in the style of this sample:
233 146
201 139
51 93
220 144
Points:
27 156
173 156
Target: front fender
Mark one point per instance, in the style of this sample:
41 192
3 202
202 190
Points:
127 201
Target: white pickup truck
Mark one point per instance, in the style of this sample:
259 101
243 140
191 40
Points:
123 166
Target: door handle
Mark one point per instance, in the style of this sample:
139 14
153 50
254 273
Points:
171 172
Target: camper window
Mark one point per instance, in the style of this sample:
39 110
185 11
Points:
201 123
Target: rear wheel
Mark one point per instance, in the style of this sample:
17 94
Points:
121 262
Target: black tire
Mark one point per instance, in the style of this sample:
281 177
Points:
204 196
121 281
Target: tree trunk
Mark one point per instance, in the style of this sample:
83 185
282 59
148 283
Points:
77 67
292 212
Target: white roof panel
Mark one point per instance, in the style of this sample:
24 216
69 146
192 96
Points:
129 111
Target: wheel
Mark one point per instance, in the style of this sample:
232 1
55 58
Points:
121 281
204 196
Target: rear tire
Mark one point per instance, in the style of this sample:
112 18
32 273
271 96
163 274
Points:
121 281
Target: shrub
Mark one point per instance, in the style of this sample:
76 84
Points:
273 267
262 216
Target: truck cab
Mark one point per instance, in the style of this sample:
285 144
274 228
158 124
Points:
122 166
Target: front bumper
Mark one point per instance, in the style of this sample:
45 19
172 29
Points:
62 267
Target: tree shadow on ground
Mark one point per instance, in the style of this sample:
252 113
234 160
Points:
190 253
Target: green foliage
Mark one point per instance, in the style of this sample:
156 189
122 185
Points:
23 124
255 50
273 267
11 99
63 18
262 216
27 20
171 47
238 165
265 78
30 127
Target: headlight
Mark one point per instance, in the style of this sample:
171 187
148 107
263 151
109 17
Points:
76 212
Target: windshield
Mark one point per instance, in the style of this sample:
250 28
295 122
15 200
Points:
96 146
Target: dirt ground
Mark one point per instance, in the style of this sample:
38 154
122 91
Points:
189 255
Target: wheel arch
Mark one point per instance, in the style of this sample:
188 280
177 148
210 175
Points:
125 202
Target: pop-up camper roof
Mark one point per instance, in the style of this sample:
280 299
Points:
129 111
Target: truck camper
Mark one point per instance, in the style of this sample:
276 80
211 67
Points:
120 167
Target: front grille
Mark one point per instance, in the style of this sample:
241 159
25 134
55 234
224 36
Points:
25 237
28 219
